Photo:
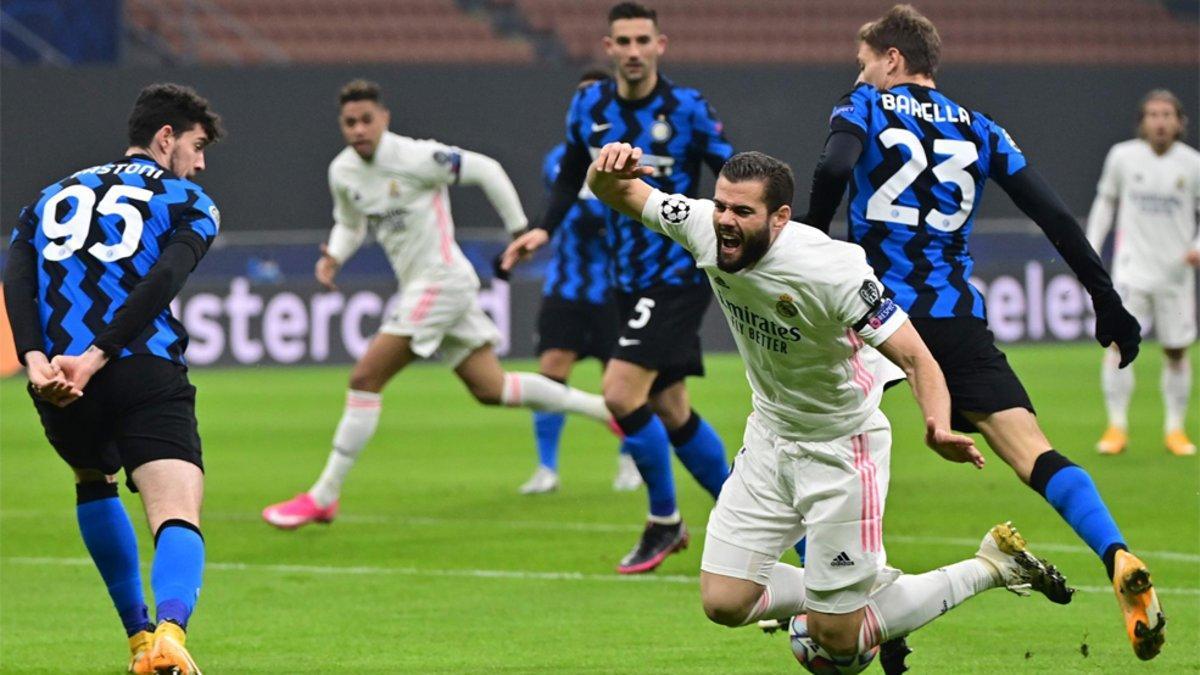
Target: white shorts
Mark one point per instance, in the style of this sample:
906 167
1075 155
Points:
831 492
1171 311
439 319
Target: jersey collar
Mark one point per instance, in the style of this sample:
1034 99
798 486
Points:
661 86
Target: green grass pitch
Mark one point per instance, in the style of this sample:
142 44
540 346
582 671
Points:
438 566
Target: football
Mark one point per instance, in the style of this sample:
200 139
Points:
815 659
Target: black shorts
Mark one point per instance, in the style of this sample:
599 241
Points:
660 330
581 327
134 410
977 373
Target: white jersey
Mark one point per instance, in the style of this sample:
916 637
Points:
1157 202
800 317
401 197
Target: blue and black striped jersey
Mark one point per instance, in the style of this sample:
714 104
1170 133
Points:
677 131
96 234
916 188
579 271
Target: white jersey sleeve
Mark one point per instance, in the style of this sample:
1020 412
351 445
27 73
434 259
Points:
856 300
435 164
685 220
349 223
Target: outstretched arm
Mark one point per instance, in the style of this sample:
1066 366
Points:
906 349
487 173
1036 199
842 150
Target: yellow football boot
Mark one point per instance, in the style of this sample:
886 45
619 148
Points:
140 644
1113 441
1144 619
169 656
1179 445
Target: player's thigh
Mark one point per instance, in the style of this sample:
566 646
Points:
386 355
426 314
171 489
837 633
978 375
1175 317
841 490
755 518
1015 436
557 363
153 405
673 405
626 386
81 433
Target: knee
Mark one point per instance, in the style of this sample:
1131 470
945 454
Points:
1175 357
837 640
721 611
620 403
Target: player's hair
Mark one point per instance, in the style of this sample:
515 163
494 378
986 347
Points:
632 10
360 90
1170 97
594 74
779 183
166 103
913 35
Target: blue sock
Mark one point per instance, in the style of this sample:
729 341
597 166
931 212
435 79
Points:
703 454
646 441
547 428
178 566
112 543
1071 492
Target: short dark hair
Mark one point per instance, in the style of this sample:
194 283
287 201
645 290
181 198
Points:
632 10
913 35
166 103
1170 97
594 74
779 184
360 90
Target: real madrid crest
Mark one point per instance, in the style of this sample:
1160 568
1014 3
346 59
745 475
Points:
786 307
661 130
393 188
1180 184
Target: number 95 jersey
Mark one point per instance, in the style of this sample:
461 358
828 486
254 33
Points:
97 233
915 190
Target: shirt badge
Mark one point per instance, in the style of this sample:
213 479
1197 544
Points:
786 307
661 130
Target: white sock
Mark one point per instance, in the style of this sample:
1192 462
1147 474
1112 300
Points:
357 426
783 597
914 600
1176 389
1117 384
538 392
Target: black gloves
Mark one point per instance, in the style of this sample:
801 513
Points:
1115 324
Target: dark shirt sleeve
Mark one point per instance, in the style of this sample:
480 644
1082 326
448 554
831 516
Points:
571 174
842 150
20 297
154 292
1036 199
709 132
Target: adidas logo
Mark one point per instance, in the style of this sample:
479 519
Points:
842 560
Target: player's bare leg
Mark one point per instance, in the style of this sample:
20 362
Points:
385 356
627 393
1176 390
1117 384
172 491
554 364
1016 437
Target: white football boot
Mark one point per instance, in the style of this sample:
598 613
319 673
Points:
542 481
1005 551
627 479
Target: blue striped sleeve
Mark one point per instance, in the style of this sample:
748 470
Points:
1006 157
853 112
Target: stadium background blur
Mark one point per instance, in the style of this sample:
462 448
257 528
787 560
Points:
495 76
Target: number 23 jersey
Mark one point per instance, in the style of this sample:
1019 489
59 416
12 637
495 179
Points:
915 190
97 233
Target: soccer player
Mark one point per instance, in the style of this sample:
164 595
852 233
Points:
815 457
917 162
93 265
661 296
396 187
578 317
1153 184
